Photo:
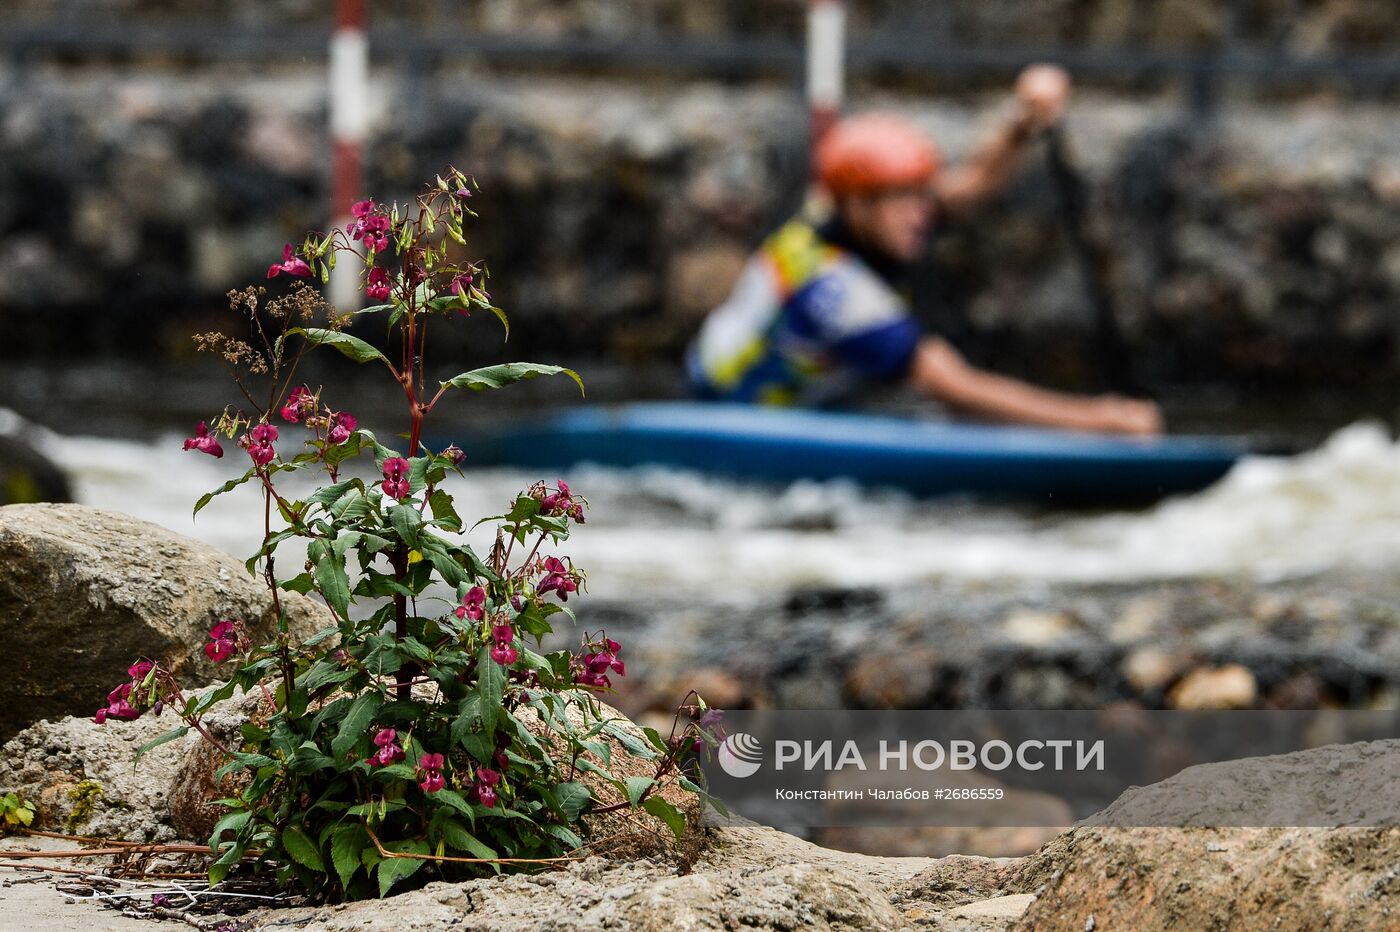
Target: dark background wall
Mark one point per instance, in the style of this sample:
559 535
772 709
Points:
1242 158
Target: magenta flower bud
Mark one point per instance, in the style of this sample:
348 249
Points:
101 717
203 442
455 453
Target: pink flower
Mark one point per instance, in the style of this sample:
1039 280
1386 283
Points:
395 477
343 426
562 502
204 442
118 705
593 670
557 579
504 655
486 782
473 604
299 402
429 773
223 638
369 226
386 739
289 264
377 287
259 443
138 670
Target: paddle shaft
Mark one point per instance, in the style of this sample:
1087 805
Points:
1114 360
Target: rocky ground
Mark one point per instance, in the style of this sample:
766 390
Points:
1096 875
1331 639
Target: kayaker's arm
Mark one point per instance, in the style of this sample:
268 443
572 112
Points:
940 371
1042 92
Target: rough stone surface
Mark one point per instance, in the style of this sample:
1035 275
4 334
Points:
1215 878
84 592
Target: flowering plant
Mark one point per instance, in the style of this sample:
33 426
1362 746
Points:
421 734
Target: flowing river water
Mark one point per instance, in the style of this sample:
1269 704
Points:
813 595
662 532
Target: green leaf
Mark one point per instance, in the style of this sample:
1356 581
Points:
406 521
454 799
300 846
391 870
228 486
331 576
490 685
347 841
356 721
152 745
448 568
573 797
569 838
501 316
468 720
666 813
233 822
443 512
636 786
220 868
506 373
353 347
458 837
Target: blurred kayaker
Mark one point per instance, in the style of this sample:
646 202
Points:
821 307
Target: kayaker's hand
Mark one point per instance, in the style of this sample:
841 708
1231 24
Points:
1119 415
1043 93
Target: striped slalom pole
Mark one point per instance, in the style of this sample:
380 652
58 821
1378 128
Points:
349 124
826 65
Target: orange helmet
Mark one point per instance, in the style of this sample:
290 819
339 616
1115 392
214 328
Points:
874 151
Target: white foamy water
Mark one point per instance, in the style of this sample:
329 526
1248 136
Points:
663 532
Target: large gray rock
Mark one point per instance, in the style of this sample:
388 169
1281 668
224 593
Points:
1099 875
84 592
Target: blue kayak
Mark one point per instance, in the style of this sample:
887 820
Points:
924 458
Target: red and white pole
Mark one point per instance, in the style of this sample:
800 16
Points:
826 64
349 118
